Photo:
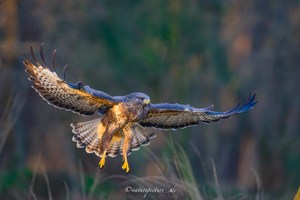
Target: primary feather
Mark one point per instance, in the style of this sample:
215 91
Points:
61 94
174 116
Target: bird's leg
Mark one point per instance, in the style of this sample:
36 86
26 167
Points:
126 148
125 166
105 134
102 161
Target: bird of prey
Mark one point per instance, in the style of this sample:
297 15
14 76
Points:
125 122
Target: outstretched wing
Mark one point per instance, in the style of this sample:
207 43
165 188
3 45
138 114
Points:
174 116
63 95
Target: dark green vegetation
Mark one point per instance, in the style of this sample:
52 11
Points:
189 52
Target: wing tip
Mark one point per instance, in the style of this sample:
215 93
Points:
239 108
36 63
246 106
252 100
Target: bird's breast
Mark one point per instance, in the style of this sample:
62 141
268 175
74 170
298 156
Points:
125 112
117 114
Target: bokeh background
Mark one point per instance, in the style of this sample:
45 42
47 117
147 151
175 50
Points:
190 52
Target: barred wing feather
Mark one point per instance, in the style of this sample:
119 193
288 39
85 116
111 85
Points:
174 116
63 95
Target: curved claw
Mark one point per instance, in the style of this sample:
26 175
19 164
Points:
125 166
102 162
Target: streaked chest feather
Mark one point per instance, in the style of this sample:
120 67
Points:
124 112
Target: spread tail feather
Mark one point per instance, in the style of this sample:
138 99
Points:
86 135
141 137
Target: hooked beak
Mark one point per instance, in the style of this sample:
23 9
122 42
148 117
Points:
146 101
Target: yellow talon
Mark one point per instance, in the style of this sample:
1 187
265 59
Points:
125 166
102 161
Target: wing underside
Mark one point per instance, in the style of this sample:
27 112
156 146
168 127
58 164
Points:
61 94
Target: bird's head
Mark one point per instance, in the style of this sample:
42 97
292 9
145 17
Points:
138 98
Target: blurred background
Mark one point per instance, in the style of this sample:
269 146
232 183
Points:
189 52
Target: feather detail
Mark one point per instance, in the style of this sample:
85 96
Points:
64 95
175 116
86 135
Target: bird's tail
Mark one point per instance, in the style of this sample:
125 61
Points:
86 135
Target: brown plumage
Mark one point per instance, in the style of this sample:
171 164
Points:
125 122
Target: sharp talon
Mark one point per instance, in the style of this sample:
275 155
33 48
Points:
102 162
125 167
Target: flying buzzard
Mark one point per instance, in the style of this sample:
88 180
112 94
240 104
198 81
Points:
125 122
